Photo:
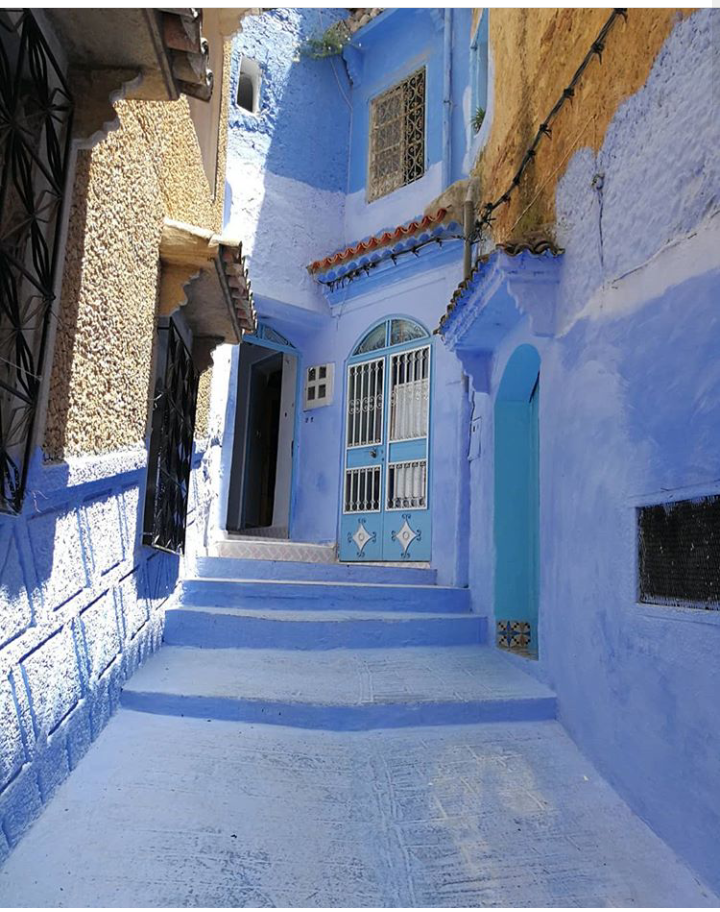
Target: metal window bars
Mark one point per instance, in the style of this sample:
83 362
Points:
362 490
35 131
171 444
409 394
365 402
407 485
397 136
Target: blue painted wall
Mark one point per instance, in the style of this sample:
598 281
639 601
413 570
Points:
630 414
287 164
81 607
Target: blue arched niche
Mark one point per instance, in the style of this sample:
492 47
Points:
517 500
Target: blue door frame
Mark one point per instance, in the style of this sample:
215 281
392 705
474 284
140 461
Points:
266 337
385 487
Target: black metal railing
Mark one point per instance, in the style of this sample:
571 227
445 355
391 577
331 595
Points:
171 443
35 120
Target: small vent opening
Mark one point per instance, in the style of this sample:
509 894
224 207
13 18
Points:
679 553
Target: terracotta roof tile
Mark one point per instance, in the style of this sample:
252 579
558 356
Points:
379 240
537 246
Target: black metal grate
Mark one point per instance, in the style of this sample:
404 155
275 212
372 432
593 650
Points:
35 118
679 552
171 444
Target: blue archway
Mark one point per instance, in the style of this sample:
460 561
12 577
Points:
517 500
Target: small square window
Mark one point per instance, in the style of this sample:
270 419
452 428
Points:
319 385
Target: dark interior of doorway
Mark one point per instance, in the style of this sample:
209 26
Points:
262 442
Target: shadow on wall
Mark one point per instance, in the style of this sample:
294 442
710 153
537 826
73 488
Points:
287 164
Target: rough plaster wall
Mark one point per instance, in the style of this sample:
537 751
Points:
287 164
535 53
151 167
629 415
98 395
81 600
80 608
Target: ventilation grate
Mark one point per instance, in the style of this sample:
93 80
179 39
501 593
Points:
679 553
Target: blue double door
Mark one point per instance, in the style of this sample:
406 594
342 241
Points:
385 493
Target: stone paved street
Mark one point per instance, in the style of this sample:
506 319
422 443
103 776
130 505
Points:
170 811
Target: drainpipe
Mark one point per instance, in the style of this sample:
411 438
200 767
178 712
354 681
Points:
468 227
447 100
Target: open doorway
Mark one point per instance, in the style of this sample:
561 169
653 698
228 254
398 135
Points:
261 472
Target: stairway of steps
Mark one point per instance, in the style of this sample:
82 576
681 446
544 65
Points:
318 644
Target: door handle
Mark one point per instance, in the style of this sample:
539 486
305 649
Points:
373 453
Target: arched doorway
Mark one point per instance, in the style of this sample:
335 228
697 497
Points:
517 501
384 506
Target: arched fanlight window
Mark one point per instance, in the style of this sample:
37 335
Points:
266 332
391 332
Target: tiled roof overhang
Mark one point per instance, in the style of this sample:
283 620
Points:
139 53
513 281
207 276
387 238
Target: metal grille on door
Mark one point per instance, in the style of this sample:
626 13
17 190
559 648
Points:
365 401
385 513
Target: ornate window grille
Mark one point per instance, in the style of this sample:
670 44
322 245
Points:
35 120
397 136
171 444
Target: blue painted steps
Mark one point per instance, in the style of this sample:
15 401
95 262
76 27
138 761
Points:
322 596
241 568
340 690
308 649
230 628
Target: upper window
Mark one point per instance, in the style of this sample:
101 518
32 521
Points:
479 73
397 136
248 90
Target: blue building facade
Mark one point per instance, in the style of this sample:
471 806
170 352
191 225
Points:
571 384
524 420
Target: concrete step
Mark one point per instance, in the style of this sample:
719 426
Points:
340 690
322 596
274 549
240 568
228 628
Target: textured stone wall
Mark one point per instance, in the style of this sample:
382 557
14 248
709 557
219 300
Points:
81 599
150 168
535 54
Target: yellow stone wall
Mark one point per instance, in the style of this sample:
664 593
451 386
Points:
148 169
536 52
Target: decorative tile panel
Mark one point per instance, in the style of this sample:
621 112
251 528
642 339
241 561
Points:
515 635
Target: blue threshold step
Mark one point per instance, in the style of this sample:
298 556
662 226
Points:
257 628
322 596
339 690
249 569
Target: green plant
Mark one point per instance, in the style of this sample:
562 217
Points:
478 119
328 44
